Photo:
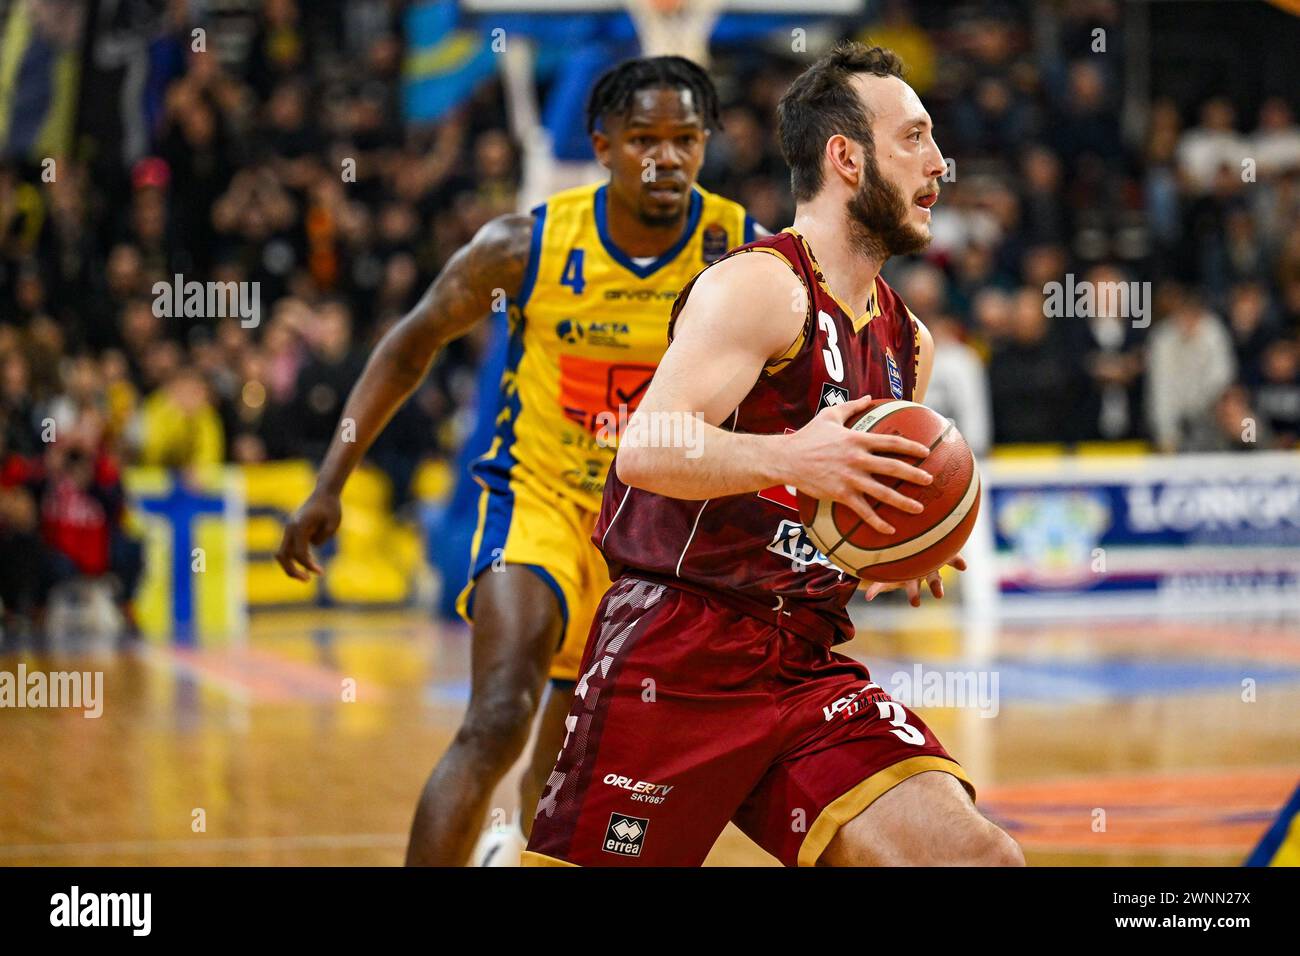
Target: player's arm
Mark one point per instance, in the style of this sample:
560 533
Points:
490 266
741 314
924 361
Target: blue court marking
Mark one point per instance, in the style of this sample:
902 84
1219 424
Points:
447 692
1074 681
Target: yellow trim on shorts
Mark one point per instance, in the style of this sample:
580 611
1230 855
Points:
530 858
476 543
845 808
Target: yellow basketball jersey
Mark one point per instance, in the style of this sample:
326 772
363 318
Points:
586 332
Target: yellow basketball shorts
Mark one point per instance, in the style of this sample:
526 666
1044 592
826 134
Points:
520 523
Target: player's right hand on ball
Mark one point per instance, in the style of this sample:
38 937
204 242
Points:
312 524
828 460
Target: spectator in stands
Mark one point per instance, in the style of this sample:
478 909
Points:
259 427
1044 216
29 294
81 398
959 387
82 505
21 548
1276 209
324 382
1086 123
1252 328
282 345
1031 377
124 281
1222 244
1190 364
147 223
990 320
121 398
61 517
1287 274
21 216
195 146
178 426
958 383
1207 148
160 362
1161 188
897 30
280 48
992 119
1275 144
1278 395
17 408
1110 350
1233 426
140 330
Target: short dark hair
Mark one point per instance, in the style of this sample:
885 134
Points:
612 94
820 103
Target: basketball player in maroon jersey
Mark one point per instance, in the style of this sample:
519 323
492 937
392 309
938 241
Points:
709 690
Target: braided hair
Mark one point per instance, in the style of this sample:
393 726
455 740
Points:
612 94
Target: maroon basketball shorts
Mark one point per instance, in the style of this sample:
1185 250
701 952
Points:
689 713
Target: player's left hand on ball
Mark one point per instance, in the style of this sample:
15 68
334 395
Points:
913 587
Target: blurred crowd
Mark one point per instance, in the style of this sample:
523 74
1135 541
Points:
243 182
1201 208
289 165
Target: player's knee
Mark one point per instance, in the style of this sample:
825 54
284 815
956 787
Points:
1003 851
992 846
497 727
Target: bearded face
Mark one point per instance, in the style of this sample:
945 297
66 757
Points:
878 217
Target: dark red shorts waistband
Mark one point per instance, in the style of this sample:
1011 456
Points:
799 619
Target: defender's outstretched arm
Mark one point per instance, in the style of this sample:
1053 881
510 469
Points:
476 278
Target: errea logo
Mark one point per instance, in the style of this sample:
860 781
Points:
832 395
625 835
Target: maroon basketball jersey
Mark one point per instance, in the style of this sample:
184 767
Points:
752 547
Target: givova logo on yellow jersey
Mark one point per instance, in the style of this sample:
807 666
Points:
608 334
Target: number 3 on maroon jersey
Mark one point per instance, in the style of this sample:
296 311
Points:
834 361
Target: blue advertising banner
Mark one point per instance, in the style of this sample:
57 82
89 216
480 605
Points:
1170 532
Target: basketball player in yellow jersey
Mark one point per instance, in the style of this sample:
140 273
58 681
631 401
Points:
589 275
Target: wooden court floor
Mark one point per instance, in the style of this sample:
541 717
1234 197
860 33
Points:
1138 742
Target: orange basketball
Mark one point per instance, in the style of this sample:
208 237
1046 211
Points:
922 542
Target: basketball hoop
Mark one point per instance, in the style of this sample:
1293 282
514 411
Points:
663 27
675 27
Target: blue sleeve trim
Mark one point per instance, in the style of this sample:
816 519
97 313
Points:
534 255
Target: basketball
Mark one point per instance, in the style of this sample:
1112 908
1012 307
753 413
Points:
921 542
